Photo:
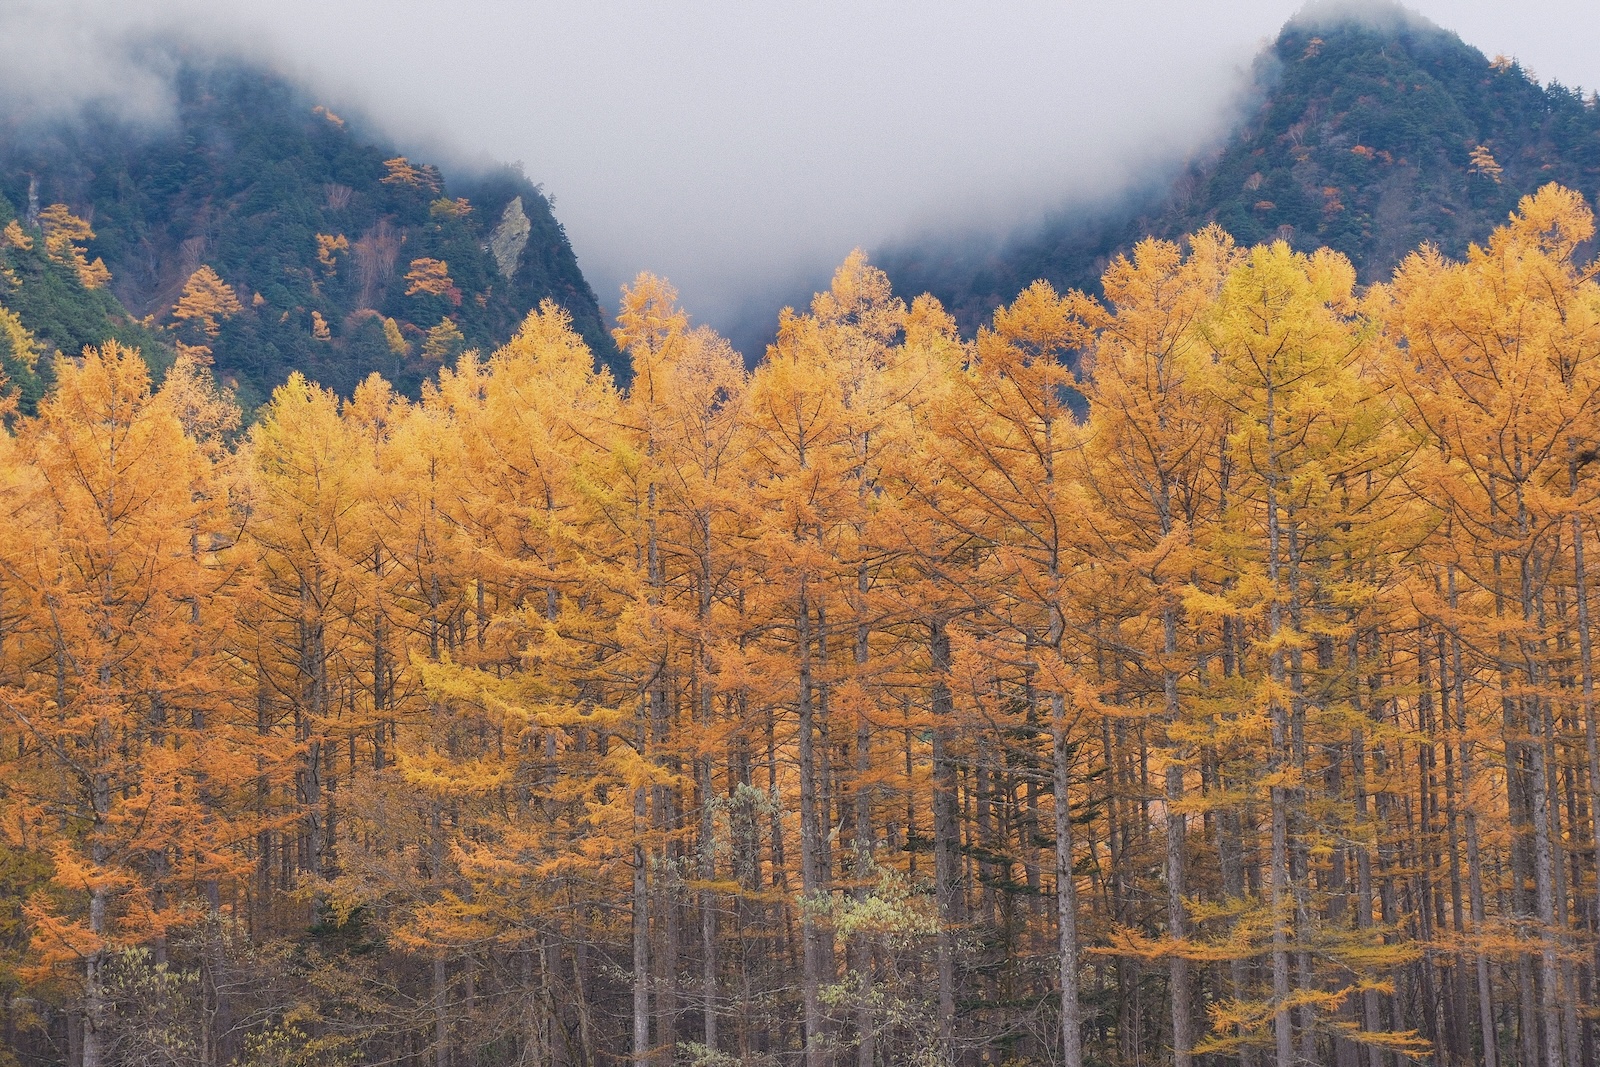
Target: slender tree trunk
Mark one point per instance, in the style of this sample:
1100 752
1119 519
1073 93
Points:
1586 690
1544 889
1231 828
708 904
865 843
1369 998
1490 1044
213 1009
708 843
580 985
311 716
1177 963
1282 1028
945 831
1460 1012
96 1009
641 916
380 660
1299 861
441 985
665 817
538 1022
1280 888
441 1013
1544 832
810 847
1066 889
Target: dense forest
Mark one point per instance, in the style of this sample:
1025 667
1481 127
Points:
298 243
867 707
1370 135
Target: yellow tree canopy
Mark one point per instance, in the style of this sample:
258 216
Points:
430 277
64 233
401 171
206 302
15 237
443 341
329 246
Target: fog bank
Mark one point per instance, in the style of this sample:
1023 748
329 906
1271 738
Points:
741 149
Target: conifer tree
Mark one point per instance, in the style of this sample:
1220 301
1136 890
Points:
1498 377
1150 465
1014 437
113 707
206 302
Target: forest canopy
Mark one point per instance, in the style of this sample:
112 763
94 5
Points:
874 705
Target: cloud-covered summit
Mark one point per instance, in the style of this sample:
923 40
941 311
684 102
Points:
742 149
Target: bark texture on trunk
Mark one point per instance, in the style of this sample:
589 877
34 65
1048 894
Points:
1066 889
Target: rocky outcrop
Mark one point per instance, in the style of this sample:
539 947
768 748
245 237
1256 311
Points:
510 237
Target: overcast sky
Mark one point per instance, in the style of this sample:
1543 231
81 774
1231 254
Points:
740 146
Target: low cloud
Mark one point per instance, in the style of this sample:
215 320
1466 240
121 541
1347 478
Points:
743 149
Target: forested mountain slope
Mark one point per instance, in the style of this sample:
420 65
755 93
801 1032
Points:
342 256
1371 137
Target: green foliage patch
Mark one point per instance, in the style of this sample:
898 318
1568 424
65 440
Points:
303 218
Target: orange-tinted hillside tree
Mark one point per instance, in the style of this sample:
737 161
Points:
64 234
206 302
1150 466
119 706
1497 360
1009 439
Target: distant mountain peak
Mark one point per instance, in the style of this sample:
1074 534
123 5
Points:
1375 131
1382 16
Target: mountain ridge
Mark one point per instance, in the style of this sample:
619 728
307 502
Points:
1372 134
344 256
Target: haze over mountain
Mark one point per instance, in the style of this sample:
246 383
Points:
1370 135
179 158
742 152
327 253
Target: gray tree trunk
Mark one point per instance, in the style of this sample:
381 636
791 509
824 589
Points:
945 837
641 919
810 847
1066 890
1177 923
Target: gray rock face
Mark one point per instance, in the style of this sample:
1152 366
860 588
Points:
510 237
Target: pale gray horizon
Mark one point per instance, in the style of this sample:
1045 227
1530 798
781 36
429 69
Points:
743 149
